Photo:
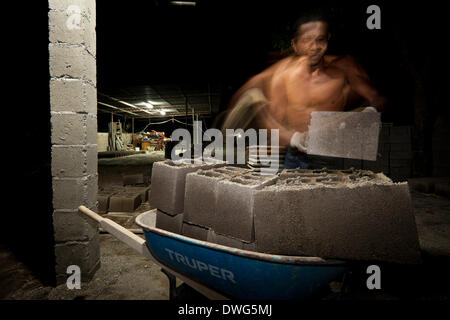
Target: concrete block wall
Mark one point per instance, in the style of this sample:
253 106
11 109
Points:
73 98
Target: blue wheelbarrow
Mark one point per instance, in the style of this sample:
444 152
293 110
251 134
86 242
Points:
221 272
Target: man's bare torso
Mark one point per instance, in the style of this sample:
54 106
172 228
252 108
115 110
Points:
296 90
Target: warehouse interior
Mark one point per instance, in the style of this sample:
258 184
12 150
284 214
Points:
152 67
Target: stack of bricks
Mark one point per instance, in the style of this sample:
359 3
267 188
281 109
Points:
73 99
342 214
168 190
346 214
219 205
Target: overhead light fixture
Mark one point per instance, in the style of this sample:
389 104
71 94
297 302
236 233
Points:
156 103
162 112
183 3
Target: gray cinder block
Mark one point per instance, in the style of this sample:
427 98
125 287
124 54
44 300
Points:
193 231
358 216
224 240
124 202
234 204
170 223
168 184
344 134
200 194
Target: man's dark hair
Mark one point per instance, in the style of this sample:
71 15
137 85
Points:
310 16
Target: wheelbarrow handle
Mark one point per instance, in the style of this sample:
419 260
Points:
121 233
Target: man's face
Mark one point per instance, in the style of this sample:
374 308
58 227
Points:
312 41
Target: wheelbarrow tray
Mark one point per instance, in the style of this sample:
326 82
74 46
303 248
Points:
236 273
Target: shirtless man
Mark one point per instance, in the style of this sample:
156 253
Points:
309 81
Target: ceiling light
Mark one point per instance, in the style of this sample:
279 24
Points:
162 112
183 3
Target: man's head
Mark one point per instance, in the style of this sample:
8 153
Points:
311 37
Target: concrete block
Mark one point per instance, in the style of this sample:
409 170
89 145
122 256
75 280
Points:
344 134
200 193
85 254
131 179
86 7
234 204
68 129
68 193
72 226
73 95
68 161
196 232
124 202
170 223
103 202
168 184
73 28
356 216
224 240
72 62
425 184
143 191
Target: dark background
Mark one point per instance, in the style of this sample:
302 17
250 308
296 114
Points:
142 42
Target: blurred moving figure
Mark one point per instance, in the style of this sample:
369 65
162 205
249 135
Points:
284 95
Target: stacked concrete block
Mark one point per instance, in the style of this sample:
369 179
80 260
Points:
124 202
235 204
73 99
344 215
172 223
168 183
201 194
224 240
194 231
143 191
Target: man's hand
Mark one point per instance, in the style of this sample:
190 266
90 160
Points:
299 140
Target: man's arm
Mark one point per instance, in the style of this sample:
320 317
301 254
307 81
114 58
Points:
360 82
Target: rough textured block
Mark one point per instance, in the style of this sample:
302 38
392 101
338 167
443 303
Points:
143 191
170 223
72 27
124 202
354 216
196 232
131 179
168 184
344 134
224 240
72 62
73 95
73 226
84 254
200 193
234 204
68 129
